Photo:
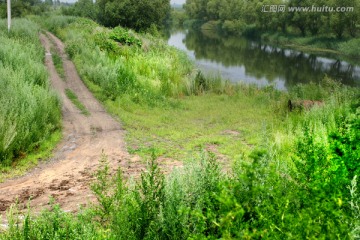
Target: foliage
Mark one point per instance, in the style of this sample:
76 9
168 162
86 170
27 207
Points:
21 8
257 199
52 224
29 111
82 8
120 35
138 15
351 47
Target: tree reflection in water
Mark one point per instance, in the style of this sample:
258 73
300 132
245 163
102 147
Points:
240 59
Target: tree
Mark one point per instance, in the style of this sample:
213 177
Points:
136 14
85 8
196 9
21 8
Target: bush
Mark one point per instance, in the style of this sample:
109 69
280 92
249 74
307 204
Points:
351 47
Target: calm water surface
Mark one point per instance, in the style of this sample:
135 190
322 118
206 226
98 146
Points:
240 59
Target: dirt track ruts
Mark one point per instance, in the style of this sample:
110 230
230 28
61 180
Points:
66 176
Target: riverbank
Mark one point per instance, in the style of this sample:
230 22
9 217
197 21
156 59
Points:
349 48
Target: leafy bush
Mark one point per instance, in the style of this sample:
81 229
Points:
123 36
351 47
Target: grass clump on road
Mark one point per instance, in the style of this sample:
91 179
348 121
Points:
74 99
58 63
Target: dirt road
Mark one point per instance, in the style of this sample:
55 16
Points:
67 175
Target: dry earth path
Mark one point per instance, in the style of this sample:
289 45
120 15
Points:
66 176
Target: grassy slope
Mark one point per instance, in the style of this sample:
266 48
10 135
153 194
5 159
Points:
24 163
30 111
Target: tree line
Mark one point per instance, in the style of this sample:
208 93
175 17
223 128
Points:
135 14
239 16
21 8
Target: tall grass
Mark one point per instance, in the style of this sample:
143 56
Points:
29 111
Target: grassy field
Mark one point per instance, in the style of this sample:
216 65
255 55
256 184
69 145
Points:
29 110
229 125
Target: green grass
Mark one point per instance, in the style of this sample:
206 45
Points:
74 99
23 164
231 125
58 63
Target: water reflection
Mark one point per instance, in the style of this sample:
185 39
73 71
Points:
240 59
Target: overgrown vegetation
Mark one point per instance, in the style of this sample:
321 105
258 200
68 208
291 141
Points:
29 111
133 66
133 14
23 8
297 185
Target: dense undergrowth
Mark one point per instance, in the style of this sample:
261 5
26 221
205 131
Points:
29 111
298 181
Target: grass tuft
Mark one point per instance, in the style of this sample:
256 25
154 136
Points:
58 63
74 99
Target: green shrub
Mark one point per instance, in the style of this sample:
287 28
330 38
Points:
351 47
123 36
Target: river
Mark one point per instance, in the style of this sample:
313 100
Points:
240 59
